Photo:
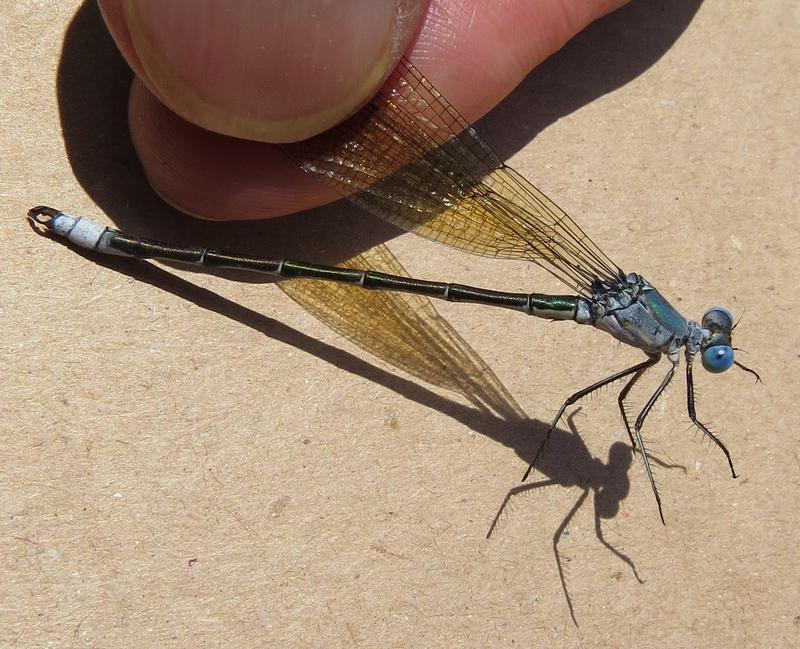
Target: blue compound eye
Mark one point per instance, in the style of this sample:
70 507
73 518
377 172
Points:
717 358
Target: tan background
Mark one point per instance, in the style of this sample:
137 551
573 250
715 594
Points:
190 461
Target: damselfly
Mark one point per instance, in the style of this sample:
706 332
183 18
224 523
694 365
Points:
411 158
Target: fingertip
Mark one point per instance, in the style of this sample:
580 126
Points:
272 72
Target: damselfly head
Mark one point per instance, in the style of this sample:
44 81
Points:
717 352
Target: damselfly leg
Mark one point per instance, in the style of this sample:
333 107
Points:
623 394
693 415
637 370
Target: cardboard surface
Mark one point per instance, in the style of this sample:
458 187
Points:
193 461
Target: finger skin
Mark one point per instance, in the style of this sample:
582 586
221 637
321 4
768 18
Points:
474 52
213 176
